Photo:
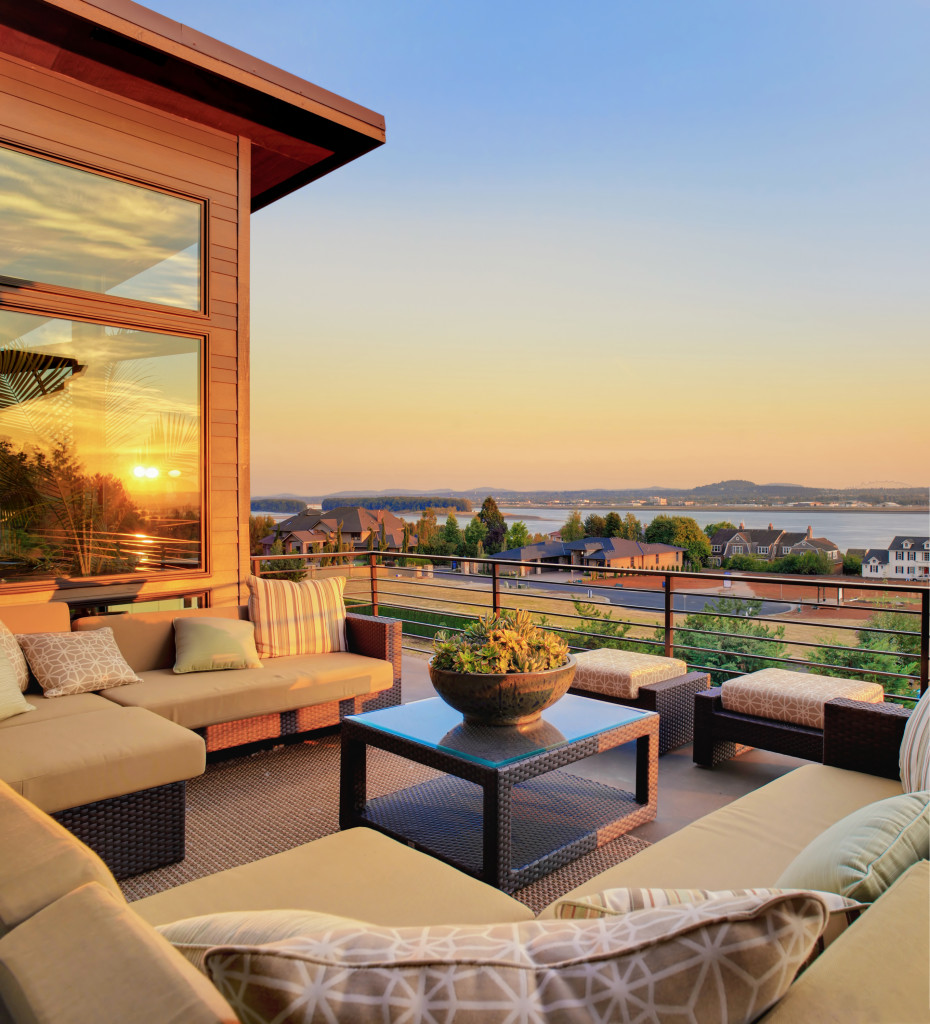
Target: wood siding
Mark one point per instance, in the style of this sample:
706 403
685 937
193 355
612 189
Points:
57 116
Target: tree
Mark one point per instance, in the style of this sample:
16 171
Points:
517 535
573 528
452 535
632 527
382 538
607 632
811 563
852 565
473 538
426 530
259 528
595 526
712 528
737 644
286 568
682 532
493 520
746 563
613 525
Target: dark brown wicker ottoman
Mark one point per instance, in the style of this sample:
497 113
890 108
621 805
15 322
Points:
647 682
503 811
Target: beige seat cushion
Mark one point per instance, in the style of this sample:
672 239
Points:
283 684
622 673
748 843
70 761
87 958
796 697
40 861
876 971
57 707
358 873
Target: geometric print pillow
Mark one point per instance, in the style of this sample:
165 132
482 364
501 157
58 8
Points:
14 653
297 618
914 756
76 662
716 962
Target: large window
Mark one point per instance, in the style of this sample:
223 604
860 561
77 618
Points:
100 449
68 227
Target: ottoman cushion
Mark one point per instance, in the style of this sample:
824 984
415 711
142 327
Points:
622 673
796 697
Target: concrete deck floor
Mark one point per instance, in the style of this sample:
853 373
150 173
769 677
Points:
686 792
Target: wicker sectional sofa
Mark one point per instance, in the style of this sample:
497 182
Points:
112 765
875 972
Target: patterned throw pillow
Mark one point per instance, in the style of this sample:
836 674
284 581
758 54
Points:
701 963
14 653
297 618
207 644
12 701
914 759
76 662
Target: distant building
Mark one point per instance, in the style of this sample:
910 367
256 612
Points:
906 558
768 544
311 529
597 553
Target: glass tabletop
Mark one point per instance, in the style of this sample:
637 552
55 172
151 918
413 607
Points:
432 723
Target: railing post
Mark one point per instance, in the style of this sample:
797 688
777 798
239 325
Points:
495 590
374 584
924 639
669 646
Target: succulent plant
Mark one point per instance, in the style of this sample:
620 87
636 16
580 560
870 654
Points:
495 644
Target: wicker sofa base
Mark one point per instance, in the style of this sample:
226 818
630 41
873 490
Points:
671 699
720 734
132 833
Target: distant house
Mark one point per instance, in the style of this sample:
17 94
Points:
360 529
906 558
596 553
768 544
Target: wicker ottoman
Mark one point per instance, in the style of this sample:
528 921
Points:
647 682
773 709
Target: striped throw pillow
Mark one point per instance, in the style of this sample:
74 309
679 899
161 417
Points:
914 759
297 618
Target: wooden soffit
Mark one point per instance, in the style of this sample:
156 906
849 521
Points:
299 132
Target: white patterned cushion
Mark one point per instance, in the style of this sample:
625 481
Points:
796 697
914 758
622 673
297 618
12 701
10 647
76 662
698 963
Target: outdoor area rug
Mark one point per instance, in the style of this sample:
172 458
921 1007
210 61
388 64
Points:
250 807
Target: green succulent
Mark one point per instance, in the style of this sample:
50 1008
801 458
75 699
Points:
496 644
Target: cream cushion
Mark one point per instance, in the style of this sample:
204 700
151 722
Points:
65 663
748 843
876 971
622 673
354 873
87 958
113 752
297 618
13 653
40 861
45 708
861 855
283 684
12 701
796 697
713 963
214 644
914 759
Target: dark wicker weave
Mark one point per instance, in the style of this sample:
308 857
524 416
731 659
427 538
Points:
132 833
720 734
863 737
671 699
373 636
480 823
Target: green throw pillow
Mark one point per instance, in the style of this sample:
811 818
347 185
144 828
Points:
210 645
862 854
12 701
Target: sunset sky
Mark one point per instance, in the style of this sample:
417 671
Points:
607 244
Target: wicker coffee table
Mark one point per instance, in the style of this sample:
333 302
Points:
503 811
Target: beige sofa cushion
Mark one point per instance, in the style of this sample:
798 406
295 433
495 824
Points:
796 697
283 684
876 971
58 707
358 873
66 762
747 844
86 959
40 861
622 673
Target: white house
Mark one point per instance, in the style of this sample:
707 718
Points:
905 558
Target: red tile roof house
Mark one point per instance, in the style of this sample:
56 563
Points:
361 528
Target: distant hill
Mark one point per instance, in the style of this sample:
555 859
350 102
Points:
277 505
399 502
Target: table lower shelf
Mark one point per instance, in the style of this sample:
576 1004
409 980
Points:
555 818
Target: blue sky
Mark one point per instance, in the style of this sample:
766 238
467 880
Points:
606 244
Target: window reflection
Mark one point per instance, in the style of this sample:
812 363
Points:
100 442
68 227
